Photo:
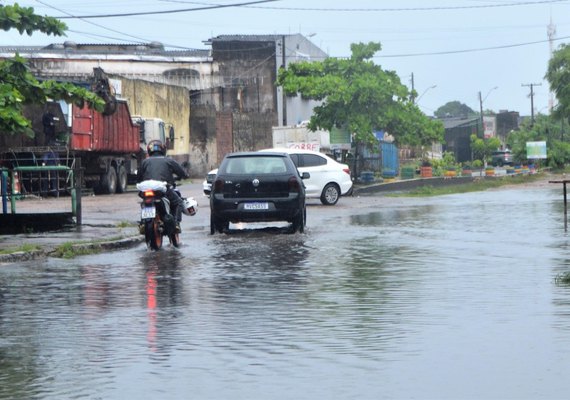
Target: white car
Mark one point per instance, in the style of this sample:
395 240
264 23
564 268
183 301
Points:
207 183
329 179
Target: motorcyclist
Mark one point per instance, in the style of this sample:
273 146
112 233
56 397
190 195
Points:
161 168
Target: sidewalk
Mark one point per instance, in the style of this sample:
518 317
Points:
109 222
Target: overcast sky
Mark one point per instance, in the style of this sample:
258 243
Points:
454 48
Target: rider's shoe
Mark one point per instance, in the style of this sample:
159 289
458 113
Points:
141 229
178 229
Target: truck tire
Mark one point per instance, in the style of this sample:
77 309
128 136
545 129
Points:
121 179
109 181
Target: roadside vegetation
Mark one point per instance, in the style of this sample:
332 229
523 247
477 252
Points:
474 186
19 86
70 250
73 249
25 248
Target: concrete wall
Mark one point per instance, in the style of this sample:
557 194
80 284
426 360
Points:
252 131
193 74
203 147
216 133
248 73
169 103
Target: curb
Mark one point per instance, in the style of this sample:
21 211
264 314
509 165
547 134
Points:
21 256
108 245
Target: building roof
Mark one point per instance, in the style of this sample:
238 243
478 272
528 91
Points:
450 123
69 49
250 38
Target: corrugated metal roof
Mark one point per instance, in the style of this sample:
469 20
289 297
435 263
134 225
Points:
150 49
450 123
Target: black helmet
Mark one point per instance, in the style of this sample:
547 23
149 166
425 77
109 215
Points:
156 146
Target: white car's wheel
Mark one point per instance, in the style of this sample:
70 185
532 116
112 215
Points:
330 194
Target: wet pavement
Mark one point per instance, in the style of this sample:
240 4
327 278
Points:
449 297
110 221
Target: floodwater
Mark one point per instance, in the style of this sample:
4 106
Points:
452 297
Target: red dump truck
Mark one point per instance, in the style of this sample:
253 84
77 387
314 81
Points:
110 147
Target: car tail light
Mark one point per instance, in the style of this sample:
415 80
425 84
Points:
347 170
294 185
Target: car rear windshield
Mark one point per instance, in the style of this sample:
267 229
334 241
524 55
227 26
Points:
255 165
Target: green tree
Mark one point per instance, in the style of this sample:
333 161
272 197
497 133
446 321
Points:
482 148
454 109
558 76
19 87
544 128
361 97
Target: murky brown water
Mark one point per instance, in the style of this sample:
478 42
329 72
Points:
450 297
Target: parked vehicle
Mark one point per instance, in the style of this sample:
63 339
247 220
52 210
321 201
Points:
501 157
156 219
258 187
109 145
329 179
207 183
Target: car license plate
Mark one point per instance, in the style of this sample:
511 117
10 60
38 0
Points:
256 206
148 212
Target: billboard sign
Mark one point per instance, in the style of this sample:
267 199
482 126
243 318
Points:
536 150
489 126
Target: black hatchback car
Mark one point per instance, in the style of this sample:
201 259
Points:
257 187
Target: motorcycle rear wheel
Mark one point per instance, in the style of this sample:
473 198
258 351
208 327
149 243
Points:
152 234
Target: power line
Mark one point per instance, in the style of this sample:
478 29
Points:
399 9
438 53
92 23
132 14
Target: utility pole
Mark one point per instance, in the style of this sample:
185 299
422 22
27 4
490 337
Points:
481 114
481 100
413 97
532 85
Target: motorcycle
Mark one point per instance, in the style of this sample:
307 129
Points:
156 219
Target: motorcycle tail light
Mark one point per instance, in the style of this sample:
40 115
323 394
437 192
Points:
148 193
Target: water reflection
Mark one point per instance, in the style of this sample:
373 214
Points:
363 305
164 292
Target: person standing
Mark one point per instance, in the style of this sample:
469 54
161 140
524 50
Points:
48 121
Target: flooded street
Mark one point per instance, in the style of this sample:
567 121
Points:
449 297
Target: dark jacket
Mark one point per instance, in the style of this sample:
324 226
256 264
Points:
160 168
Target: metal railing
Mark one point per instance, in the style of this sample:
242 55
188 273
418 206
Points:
47 178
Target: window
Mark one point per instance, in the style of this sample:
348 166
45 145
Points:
295 158
311 160
256 165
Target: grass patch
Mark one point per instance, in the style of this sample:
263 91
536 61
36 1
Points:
70 250
25 248
474 186
126 224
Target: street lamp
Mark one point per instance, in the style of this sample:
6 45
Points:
481 100
424 92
